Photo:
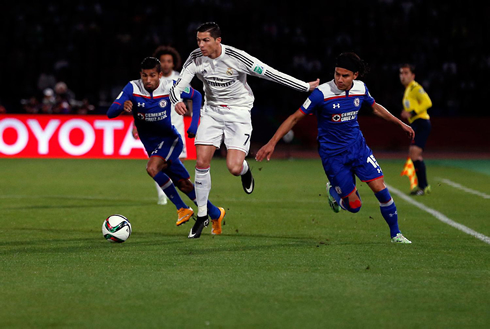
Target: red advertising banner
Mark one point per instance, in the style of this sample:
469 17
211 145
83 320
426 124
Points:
68 136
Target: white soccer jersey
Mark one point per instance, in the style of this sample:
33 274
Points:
225 77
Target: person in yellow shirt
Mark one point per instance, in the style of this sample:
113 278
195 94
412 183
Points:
416 102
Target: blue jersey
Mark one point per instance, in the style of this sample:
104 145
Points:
151 110
336 111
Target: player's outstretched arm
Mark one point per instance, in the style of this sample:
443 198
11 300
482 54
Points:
382 112
253 66
266 151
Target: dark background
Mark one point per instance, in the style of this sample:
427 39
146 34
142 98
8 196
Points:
95 47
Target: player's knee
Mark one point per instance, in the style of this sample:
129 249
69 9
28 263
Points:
352 206
235 170
355 205
152 170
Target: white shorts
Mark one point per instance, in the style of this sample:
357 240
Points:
223 124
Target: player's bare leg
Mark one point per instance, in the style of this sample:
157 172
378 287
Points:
238 166
377 185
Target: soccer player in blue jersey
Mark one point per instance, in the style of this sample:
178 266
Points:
148 100
342 146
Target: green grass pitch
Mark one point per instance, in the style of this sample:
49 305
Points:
285 260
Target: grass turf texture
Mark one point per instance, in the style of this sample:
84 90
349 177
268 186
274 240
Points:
285 260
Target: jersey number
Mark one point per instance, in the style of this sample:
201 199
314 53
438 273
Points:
372 160
246 141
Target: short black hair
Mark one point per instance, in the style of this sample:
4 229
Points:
150 63
351 61
212 28
168 50
411 67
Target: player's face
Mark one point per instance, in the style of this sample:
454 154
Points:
343 78
151 79
209 46
406 76
167 62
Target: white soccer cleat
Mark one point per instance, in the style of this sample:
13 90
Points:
399 238
162 199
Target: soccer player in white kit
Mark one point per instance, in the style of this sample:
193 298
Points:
226 113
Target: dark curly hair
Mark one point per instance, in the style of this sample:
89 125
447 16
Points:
168 50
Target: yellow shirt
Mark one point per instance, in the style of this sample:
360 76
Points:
416 99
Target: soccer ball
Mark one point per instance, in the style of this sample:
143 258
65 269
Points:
116 228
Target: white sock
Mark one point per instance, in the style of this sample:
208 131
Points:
202 184
244 168
160 192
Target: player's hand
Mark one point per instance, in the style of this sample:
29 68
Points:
314 84
180 108
128 106
191 135
409 131
135 133
265 152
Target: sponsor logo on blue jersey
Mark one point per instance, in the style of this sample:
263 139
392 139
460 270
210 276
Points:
342 117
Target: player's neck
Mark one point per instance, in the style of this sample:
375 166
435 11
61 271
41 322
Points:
218 53
152 90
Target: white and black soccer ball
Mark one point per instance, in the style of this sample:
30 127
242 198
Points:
116 228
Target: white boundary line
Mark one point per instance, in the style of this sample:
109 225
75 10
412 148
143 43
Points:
463 188
440 216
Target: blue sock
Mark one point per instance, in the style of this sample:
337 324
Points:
168 187
192 196
388 210
335 195
213 211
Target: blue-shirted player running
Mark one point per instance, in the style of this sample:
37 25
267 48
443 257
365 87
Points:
342 146
148 100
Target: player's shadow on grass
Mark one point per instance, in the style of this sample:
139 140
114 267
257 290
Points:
71 242
143 241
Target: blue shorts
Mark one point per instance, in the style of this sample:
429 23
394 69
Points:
422 128
341 169
168 148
